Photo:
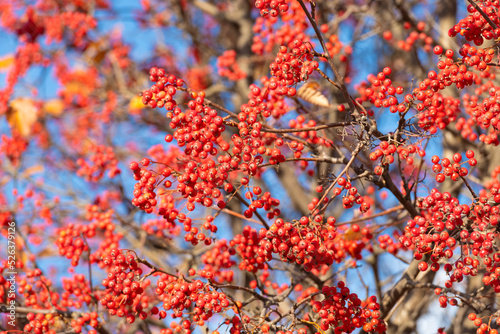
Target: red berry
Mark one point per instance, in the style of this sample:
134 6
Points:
438 49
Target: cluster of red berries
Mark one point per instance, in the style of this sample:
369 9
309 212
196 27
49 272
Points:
351 197
391 244
86 319
260 102
261 201
195 297
445 168
267 36
79 287
435 110
450 74
416 35
13 148
293 67
442 111
218 260
36 290
194 236
474 27
313 244
197 129
434 233
144 190
200 183
430 233
228 67
386 152
266 102
110 239
71 243
267 283
493 186
236 325
444 299
343 311
161 228
27 55
161 94
72 239
351 241
477 58
335 46
102 159
311 136
483 327
302 243
483 114
249 248
271 7
124 288
381 92
459 75
40 323
245 152
78 23
263 40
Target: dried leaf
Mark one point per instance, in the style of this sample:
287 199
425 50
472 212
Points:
54 107
351 235
22 115
309 92
96 52
47 252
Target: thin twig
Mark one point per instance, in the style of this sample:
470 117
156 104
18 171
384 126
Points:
483 14
315 128
319 159
469 187
362 219
354 154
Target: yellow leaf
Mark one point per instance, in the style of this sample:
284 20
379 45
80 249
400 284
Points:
6 62
136 103
76 87
54 107
22 115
